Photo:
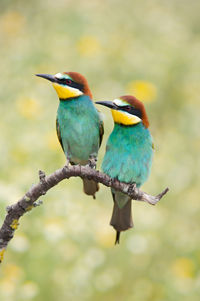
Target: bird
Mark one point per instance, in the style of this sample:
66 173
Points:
128 156
78 124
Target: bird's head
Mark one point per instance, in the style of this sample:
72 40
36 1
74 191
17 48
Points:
68 84
127 110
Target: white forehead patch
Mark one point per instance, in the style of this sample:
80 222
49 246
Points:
61 76
120 102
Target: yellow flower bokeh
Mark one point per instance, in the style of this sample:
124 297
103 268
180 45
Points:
12 23
28 107
105 236
143 90
12 272
52 141
88 46
66 250
183 267
19 154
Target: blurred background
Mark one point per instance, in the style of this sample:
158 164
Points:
64 249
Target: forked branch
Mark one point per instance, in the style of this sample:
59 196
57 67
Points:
28 201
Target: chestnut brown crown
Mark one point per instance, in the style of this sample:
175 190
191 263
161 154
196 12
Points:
80 79
137 104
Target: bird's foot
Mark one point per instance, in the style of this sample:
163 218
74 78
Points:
132 187
67 162
92 162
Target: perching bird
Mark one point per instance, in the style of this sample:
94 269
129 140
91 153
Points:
79 126
128 156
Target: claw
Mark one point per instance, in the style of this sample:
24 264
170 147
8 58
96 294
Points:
92 162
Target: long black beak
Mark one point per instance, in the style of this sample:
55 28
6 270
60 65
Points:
49 77
108 104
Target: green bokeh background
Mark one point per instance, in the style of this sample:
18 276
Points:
63 250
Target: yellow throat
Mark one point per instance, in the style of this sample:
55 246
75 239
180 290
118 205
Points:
124 118
65 92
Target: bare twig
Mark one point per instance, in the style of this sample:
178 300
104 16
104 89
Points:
28 201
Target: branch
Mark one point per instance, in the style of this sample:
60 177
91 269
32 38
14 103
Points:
28 201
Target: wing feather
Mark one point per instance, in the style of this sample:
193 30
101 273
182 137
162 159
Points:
58 133
101 131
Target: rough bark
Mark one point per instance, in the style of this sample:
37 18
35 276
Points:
28 201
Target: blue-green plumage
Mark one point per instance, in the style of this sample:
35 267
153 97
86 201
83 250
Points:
80 132
129 153
79 126
128 156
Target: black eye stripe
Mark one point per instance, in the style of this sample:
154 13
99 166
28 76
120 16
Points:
127 108
131 110
71 83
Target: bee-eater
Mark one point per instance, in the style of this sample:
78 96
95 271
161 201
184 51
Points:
128 154
78 124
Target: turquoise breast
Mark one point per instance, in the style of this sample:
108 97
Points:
129 154
79 128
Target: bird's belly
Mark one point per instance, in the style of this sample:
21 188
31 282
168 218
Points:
128 158
129 169
80 141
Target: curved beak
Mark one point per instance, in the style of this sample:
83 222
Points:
49 77
108 104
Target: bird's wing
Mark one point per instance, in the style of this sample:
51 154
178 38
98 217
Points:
101 131
58 133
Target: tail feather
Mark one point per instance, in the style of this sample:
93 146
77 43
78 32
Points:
117 239
121 219
90 187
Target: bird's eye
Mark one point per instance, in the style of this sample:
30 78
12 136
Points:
68 81
128 108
